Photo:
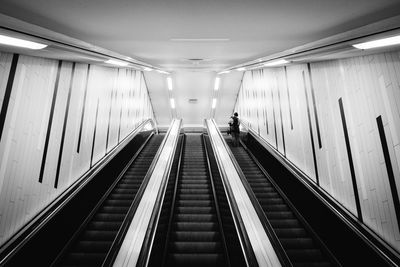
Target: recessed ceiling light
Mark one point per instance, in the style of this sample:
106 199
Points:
276 63
224 72
162 72
241 69
7 40
199 39
117 62
216 84
169 83
379 43
214 103
172 101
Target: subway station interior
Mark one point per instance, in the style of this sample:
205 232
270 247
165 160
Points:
200 133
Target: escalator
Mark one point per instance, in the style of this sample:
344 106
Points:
90 245
300 243
195 236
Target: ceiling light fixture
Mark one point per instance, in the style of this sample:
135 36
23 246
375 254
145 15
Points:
162 72
169 83
216 84
117 62
379 43
214 103
199 39
7 40
241 69
172 101
224 72
276 63
147 69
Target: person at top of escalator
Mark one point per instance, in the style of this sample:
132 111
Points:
234 128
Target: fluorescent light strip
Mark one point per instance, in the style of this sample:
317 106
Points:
395 40
276 63
224 72
214 103
7 40
169 83
117 62
172 101
162 72
199 39
216 84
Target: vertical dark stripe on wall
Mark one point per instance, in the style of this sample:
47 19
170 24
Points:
350 158
7 94
273 114
109 119
120 118
83 110
266 113
94 132
314 105
310 127
280 113
64 126
389 169
288 96
53 103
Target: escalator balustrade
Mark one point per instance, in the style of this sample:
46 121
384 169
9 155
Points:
91 245
299 244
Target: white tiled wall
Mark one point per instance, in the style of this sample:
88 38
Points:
26 124
369 87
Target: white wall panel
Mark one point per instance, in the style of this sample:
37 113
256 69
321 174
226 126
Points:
369 88
42 129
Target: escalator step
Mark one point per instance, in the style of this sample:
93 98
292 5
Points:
196 247
196 259
196 236
106 226
195 217
195 226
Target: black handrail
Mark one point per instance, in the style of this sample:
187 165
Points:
384 250
293 209
113 252
216 204
29 230
245 243
281 253
144 255
100 202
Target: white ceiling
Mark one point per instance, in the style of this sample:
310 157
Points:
145 29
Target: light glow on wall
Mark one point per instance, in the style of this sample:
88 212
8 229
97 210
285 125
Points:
169 83
214 103
216 84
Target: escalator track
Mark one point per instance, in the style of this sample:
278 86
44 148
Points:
195 236
300 244
90 245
